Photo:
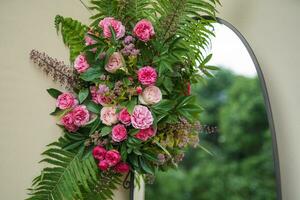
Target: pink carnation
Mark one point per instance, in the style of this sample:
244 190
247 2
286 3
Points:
65 101
147 75
151 95
116 25
99 153
68 122
124 117
103 165
81 115
122 168
144 30
119 133
112 157
81 64
141 117
145 134
109 116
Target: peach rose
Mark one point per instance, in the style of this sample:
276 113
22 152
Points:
108 116
151 95
115 62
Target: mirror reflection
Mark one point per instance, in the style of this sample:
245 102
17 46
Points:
234 160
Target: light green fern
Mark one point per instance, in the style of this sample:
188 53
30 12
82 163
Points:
73 33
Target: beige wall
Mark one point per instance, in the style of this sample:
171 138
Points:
272 29
25 124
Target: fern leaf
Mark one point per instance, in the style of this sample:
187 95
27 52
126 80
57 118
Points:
73 33
66 177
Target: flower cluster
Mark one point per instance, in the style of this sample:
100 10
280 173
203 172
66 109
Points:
76 115
124 99
110 159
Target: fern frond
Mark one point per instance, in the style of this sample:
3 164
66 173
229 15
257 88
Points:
104 8
104 187
67 174
73 33
128 11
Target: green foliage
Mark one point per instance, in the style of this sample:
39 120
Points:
242 164
54 92
62 180
128 11
73 33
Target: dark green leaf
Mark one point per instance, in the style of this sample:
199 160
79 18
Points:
93 107
83 94
54 92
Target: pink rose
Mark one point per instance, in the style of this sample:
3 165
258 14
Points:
108 116
119 133
103 165
81 115
122 168
151 95
144 30
99 153
115 62
100 94
145 134
112 157
68 122
65 101
124 117
116 25
141 117
147 75
81 64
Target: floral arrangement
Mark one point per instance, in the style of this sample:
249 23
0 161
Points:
128 106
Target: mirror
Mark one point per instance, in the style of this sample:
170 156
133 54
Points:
235 159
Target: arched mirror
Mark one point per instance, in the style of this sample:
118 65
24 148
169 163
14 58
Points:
237 157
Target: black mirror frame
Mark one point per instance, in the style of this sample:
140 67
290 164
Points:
266 101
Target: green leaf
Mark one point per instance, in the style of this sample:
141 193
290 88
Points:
133 132
123 152
91 74
93 107
163 148
54 92
105 130
131 104
83 94
145 166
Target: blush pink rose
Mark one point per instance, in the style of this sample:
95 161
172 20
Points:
65 101
151 95
119 133
109 116
124 117
122 168
112 157
115 62
103 165
68 122
145 134
81 64
147 75
81 115
141 117
116 25
99 153
144 30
